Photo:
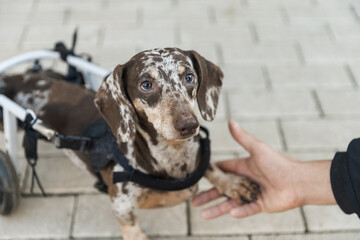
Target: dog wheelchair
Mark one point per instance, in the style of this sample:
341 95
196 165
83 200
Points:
91 76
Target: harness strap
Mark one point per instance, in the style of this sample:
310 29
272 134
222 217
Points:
30 147
133 175
77 143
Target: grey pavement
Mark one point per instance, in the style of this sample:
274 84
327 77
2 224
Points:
292 76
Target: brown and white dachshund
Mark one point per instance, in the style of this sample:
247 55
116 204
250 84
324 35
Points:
149 104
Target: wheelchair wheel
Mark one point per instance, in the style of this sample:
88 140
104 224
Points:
9 186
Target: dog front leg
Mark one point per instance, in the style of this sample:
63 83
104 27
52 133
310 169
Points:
236 187
123 206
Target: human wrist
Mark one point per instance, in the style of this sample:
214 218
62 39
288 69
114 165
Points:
311 181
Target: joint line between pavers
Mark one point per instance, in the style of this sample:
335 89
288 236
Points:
140 16
351 76
75 207
101 36
66 16
227 104
244 3
267 78
284 15
253 33
211 15
302 212
23 36
104 4
330 32
282 134
188 218
177 34
219 54
314 2
300 53
34 5
354 13
318 103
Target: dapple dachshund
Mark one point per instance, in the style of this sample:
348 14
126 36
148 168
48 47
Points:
149 104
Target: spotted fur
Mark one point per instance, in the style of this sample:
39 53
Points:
157 130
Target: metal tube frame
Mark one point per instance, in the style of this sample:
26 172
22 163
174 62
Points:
92 73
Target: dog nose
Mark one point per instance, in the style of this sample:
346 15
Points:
187 126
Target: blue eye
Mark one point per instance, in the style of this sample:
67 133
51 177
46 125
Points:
146 86
189 79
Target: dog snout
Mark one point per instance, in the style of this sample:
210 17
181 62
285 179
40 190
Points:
186 126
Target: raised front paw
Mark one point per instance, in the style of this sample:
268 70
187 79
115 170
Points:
240 188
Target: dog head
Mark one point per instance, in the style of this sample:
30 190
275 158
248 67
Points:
157 90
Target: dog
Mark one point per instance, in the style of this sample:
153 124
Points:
149 104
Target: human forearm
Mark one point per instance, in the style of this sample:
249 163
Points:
311 181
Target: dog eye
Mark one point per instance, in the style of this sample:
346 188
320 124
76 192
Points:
146 86
189 79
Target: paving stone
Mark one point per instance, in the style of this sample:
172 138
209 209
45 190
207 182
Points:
94 217
62 5
289 221
39 218
322 14
114 4
109 56
205 238
10 34
243 77
324 134
310 76
175 14
222 141
325 218
60 175
340 103
326 53
279 3
123 16
232 15
264 104
207 50
40 35
311 236
291 33
267 53
214 33
345 31
15 6
208 4
146 38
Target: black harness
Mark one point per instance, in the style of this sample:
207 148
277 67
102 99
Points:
130 174
102 148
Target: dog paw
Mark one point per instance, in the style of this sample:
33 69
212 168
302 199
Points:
241 189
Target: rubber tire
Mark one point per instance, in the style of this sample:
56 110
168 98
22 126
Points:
9 186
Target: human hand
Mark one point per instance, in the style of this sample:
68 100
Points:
284 182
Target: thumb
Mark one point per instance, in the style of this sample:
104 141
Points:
245 139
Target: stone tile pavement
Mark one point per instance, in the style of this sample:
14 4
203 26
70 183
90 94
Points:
292 75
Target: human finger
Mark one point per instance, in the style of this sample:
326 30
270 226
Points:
245 210
205 197
219 209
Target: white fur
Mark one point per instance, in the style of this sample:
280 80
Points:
115 90
39 100
41 83
211 107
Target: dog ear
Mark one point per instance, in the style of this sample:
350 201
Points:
210 81
115 107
